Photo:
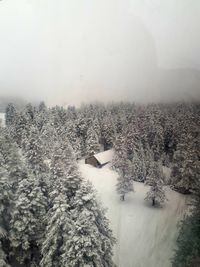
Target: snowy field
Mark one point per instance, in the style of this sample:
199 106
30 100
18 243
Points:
146 236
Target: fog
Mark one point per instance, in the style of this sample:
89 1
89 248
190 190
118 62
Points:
69 52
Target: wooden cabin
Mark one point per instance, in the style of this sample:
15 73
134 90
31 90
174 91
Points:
101 159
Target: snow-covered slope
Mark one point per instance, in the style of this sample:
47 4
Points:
146 236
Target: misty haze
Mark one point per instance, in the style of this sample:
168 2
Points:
99 133
76 51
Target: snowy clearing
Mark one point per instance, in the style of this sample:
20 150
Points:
145 235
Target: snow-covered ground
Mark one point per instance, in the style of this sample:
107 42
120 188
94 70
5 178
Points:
146 235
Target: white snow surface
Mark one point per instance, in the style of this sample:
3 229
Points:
2 119
146 236
105 156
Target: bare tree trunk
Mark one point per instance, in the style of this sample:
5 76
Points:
122 197
153 202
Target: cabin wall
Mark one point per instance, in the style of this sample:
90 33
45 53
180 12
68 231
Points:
92 161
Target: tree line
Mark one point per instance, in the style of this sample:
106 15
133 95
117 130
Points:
49 215
144 137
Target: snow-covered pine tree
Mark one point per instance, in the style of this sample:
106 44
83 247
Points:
35 159
124 181
54 247
138 171
27 222
74 139
20 129
82 127
15 167
158 143
11 173
107 132
65 181
90 241
34 154
132 140
5 200
140 162
123 167
72 178
96 127
148 159
156 193
48 137
185 171
188 249
41 116
29 113
10 114
58 216
92 142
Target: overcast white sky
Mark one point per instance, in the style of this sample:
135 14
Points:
72 51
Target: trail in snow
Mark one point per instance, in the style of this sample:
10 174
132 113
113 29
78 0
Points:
146 236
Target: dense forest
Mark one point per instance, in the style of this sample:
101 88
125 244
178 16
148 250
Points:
51 217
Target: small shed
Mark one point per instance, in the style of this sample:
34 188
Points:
101 159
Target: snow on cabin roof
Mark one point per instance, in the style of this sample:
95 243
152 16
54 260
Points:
105 156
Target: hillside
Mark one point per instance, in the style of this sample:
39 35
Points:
146 236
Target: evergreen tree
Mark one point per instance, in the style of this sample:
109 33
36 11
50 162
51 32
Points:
64 170
91 241
132 139
107 132
54 247
96 127
41 116
73 138
124 181
5 200
29 113
34 154
10 114
123 167
27 223
92 142
158 143
185 170
187 253
138 171
156 194
20 129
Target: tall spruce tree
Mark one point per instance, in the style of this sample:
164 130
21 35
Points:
156 193
123 167
54 247
27 223
92 142
185 170
187 253
90 241
35 158
10 114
